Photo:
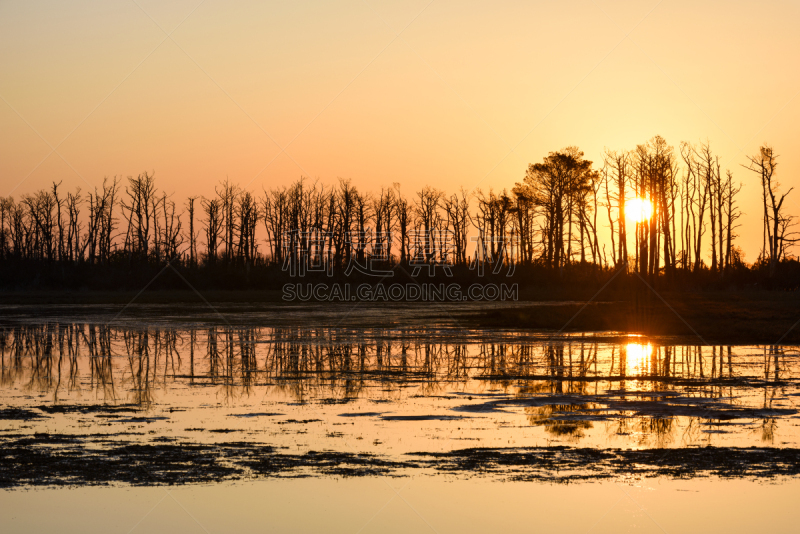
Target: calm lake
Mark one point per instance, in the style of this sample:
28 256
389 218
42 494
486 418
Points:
245 417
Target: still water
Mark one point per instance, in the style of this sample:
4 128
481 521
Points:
383 412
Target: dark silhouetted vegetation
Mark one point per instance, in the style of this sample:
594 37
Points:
568 220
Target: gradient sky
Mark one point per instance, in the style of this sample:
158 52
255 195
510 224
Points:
418 92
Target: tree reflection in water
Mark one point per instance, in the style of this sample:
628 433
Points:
566 385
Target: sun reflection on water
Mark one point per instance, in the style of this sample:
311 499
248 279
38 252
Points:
638 357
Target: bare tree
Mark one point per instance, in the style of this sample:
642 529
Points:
777 235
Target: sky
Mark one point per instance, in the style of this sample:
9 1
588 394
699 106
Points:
440 93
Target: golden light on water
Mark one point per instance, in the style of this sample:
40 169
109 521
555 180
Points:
638 210
638 357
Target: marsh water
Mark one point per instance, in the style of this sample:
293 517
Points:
319 402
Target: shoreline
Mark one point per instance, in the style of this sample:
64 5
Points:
759 317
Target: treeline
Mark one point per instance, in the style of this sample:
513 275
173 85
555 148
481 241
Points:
654 210
650 203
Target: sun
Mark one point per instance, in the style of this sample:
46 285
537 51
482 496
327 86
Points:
638 210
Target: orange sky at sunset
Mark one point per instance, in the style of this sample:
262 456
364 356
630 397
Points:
443 93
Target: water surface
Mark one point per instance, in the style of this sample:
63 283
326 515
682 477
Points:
240 394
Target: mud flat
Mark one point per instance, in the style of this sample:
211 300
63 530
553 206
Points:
68 460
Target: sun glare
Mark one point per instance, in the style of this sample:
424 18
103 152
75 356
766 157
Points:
638 210
638 356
